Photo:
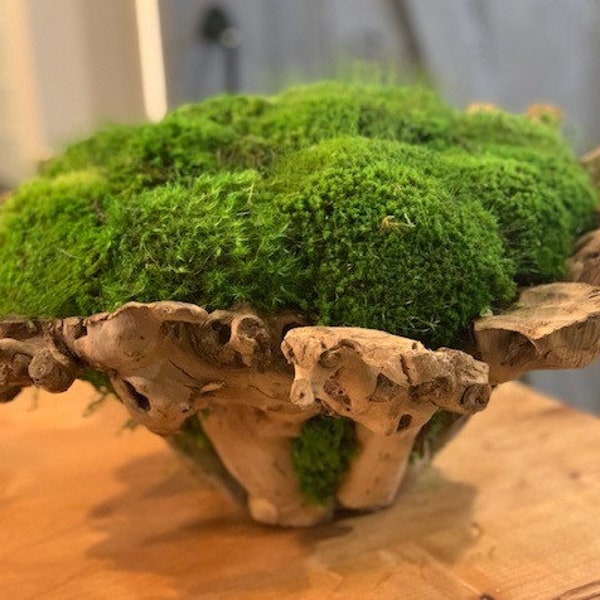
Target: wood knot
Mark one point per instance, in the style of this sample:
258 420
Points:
46 372
330 359
476 397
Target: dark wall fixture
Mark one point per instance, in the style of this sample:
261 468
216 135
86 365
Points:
218 28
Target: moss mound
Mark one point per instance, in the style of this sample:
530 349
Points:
365 205
387 242
358 204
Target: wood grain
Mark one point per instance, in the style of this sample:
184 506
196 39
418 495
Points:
509 511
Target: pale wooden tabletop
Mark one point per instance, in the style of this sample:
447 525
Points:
511 510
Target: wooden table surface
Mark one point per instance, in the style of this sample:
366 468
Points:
510 510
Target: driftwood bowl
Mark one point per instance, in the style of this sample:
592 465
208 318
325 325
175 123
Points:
254 382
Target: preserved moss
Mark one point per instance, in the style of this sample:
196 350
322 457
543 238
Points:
364 205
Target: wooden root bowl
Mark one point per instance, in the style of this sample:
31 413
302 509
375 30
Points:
254 382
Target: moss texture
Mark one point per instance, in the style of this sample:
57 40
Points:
365 205
322 455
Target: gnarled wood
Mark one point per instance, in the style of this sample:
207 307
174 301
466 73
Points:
32 353
591 161
390 386
374 377
169 360
584 264
254 382
554 326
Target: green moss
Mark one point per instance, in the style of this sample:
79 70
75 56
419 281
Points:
193 442
103 149
197 243
322 455
540 202
55 243
307 115
387 243
479 131
99 380
365 205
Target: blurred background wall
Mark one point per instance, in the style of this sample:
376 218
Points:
66 67
70 66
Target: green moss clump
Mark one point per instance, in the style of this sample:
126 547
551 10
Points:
357 204
105 148
322 455
486 131
199 243
55 243
365 205
435 433
540 203
99 380
387 243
